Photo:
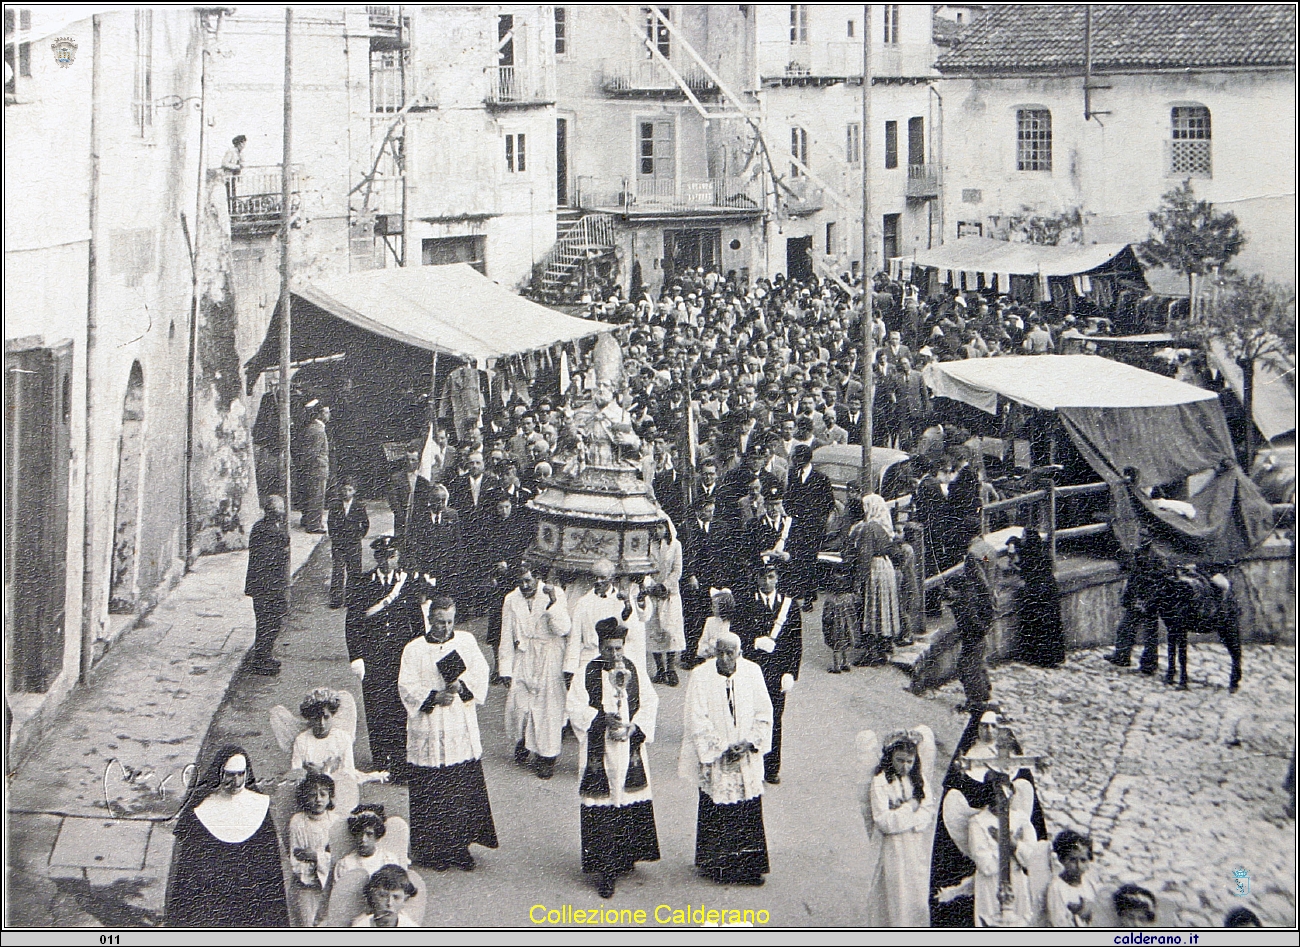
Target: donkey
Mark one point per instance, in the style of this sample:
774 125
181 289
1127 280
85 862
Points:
1194 599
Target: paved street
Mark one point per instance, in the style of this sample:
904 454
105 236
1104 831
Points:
1177 788
815 832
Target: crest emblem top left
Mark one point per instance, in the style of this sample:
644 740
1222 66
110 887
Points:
65 50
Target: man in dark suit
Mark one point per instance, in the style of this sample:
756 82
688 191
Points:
267 583
735 486
436 542
964 499
809 498
771 635
913 399
706 563
348 525
470 495
383 616
507 532
408 492
669 485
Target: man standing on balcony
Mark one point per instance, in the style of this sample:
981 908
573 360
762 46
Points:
233 163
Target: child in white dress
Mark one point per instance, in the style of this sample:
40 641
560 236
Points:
310 859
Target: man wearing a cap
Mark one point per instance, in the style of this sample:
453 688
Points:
316 468
728 729
771 632
535 628
443 679
612 706
267 583
380 622
767 536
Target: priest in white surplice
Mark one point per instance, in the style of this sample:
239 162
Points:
534 631
444 677
728 729
605 600
612 706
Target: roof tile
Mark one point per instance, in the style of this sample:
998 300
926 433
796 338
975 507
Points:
1047 37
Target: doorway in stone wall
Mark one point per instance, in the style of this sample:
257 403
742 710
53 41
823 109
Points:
124 590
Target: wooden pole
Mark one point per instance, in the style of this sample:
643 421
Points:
286 229
868 343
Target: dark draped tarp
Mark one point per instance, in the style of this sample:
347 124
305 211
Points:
1119 416
1167 444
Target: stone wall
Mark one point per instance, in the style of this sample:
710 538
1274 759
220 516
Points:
1090 610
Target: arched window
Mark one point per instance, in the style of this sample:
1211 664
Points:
1189 151
1033 140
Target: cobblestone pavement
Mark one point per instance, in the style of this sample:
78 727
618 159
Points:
1177 788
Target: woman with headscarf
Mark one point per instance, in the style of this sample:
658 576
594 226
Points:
873 538
1041 640
226 868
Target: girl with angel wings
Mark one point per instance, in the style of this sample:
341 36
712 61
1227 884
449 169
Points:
325 744
899 802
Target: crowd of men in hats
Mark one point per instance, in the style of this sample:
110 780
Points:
773 371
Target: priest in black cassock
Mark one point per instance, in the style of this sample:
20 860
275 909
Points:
443 679
612 706
225 869
382 616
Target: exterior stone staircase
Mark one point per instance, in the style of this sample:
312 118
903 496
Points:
588 237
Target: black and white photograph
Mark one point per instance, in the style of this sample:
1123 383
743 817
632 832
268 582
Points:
650 468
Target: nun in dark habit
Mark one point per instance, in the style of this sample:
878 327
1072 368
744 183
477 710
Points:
226 859
1041 640
952 870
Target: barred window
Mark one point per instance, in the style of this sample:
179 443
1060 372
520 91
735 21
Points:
1190 151
1033 140
798 22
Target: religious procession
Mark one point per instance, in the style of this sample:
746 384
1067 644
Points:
717 566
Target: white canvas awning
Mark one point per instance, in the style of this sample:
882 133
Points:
984 255
1048 382
452 309
1273 392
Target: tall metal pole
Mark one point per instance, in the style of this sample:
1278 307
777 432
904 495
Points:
286 229
868 343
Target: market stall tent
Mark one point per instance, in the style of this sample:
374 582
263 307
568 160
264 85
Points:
1121 417
452 310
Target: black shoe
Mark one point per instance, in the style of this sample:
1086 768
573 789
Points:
658 678
521 754
545 767
774 779
846 669
833 670
1149 672
670 678
606 887
463 860
1111 659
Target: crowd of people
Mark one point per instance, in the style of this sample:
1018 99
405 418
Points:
730 388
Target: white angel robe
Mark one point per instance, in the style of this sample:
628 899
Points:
534 635
899 893
984 852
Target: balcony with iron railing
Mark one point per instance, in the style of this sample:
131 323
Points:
518 86
387 24
254 199
650 77
923 181
727 196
